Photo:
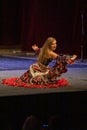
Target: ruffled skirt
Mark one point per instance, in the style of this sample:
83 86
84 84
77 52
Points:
35 77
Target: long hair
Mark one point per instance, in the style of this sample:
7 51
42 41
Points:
44 53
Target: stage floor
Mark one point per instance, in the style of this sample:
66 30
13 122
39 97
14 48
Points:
77 76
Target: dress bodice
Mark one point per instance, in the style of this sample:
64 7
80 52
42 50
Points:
47 61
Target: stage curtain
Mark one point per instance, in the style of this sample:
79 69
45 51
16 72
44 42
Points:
28 22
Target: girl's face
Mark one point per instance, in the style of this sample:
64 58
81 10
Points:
53 46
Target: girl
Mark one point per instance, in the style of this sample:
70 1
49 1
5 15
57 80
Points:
40 74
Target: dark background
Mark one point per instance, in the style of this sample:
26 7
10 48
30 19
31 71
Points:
70 107
25 22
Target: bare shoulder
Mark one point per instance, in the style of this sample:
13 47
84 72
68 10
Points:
53 55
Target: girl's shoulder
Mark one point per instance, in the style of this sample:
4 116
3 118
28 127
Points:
53 55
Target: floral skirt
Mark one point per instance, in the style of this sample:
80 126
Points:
35 77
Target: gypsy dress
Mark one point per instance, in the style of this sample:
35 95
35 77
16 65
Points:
42 75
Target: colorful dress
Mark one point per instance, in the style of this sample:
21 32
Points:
42 75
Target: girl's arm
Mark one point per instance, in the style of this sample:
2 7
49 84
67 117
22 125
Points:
36 48
66 59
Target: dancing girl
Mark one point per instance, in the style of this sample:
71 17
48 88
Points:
40 74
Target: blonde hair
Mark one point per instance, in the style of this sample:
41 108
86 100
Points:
44 53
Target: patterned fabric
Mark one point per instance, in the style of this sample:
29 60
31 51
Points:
40 76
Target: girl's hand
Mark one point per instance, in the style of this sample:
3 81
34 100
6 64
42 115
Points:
74 57
35 47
